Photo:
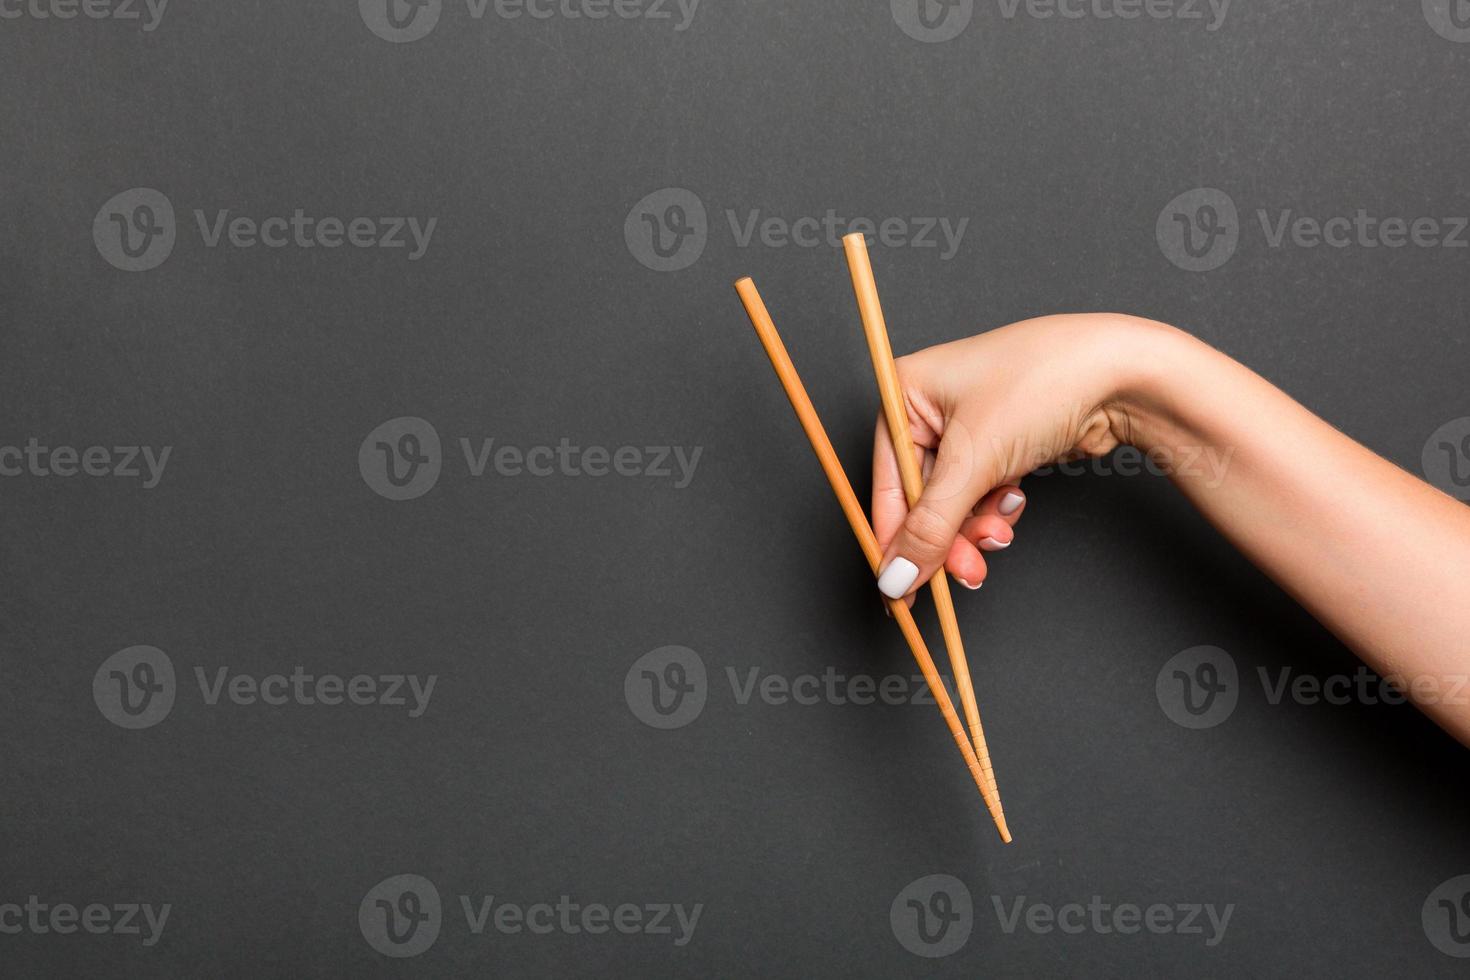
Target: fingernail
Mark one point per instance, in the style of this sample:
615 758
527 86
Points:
967 585
993 544
897 578
1011 503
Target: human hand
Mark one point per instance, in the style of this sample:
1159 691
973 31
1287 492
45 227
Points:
985 411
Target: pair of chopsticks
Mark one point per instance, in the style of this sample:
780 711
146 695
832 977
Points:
976 753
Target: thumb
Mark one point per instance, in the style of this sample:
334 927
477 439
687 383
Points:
961 477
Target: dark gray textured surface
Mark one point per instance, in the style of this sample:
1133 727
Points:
528 320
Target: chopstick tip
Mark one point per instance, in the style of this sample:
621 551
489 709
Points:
1000 824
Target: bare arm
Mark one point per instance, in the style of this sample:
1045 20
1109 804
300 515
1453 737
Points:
1379 557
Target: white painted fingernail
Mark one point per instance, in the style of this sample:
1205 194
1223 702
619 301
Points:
1011 503
897 578
967 585
993 544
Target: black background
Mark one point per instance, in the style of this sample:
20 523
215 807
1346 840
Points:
529 320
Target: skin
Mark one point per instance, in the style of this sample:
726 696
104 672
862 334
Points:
1381 558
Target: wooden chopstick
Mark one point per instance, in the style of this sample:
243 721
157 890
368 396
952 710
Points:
894 410
806 413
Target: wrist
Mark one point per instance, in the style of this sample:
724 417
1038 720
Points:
1155 368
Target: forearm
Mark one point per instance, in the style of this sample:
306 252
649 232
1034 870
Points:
1379 557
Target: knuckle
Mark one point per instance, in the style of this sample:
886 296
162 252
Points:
889 496
927 528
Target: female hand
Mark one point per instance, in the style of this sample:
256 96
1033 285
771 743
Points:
985 411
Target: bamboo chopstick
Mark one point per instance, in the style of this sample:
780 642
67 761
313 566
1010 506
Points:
891 393
811 424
